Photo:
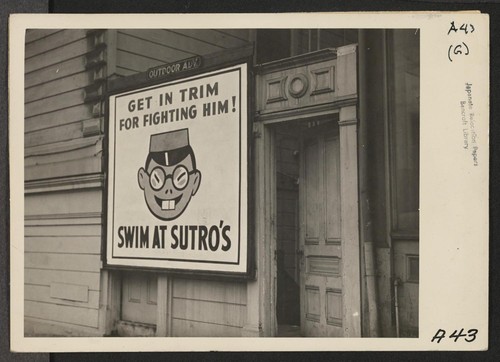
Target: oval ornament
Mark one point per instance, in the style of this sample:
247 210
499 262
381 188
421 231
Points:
298 85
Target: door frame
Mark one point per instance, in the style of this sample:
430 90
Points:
262 292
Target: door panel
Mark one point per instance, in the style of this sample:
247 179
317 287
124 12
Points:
332 187
139 295
312 196
321 266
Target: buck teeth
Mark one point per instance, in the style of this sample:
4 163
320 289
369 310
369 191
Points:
168 205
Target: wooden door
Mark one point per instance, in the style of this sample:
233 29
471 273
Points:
139 295
321 288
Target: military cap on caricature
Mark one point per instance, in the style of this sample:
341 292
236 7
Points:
170 177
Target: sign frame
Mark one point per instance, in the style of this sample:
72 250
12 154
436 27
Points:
215 62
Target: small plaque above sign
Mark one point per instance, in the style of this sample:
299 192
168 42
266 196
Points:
184 65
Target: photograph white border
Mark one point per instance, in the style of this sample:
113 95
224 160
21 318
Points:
453 192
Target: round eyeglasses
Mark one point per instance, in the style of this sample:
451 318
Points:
180 178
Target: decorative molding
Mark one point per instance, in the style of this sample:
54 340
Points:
348 122
331 318
275 89
305 112
98 109
348 116
333 241
347 49
328 72
96 58
94 93
297 61
96 36
92 127
323 265
312 294
303 82
311 241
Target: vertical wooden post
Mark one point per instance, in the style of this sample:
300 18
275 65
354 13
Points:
350 221
109 305
253 326
162 306
104 303
261 294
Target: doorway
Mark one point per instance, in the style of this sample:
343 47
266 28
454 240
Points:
308 229
287 143
138 312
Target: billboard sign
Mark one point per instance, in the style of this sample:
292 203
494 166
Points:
177 174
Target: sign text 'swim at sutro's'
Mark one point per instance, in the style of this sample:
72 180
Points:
174 68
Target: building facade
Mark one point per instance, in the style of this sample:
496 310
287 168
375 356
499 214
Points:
333 120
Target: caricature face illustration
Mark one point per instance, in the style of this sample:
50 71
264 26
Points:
170 177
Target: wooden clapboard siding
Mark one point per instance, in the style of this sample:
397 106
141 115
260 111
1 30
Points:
76 218
61 313
55 71
57 118
208 308
61 169
56 114
36 34
39 155
216 38
50 104
41 293
64 244
63 235
133 44
57 55
69 202
70 157
72 262
37 327
37 276
64 132
62 230
53 41
58 86
140 49
136 62
170 39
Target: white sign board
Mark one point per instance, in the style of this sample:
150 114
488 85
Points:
177 174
